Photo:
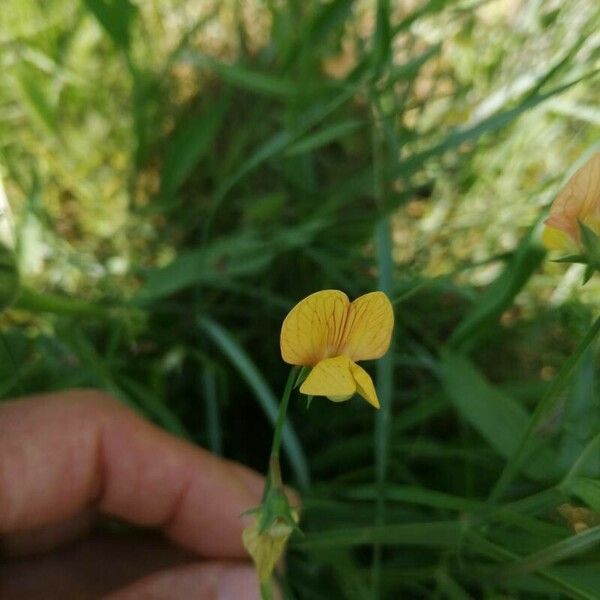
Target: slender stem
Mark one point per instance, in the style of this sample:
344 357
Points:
279 424
558 385
266 591
274 474
384 380
383 418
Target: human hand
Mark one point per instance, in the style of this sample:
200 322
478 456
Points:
66 458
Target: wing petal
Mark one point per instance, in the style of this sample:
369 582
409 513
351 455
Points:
364 384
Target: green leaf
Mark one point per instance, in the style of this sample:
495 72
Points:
116 18
329 17
542 410
571 258
231 257
581 416
263 393
9 277
192 140
585 489
563 578
279 141
37 100
408 70
499 419
573 545
442 534
494 122
583 579
323 137
252 80
382 39
500 294
129 391
242 255
410 494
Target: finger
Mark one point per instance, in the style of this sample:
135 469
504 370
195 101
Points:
47 537
62 453
89 568
214 581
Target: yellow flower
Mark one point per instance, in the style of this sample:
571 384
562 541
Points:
327 332
578 201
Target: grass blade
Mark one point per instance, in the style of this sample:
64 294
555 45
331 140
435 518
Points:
266 399
571 546
558 384
500 294
193 139
496 416
116 18
211 411
442 534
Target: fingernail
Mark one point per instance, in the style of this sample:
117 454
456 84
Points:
238 583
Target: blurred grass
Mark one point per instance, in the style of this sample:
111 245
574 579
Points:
181 173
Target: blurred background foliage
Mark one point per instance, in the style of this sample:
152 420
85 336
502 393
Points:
177 174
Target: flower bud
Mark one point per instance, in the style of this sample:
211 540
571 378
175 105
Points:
267 546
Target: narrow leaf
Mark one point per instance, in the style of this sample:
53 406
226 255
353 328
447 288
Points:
265 397
499 419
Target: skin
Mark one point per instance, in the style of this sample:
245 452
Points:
69 459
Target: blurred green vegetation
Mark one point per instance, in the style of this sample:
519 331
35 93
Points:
181 173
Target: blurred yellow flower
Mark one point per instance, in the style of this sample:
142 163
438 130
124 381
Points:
266 547
578 201
327 332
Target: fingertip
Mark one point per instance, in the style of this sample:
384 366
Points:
238 583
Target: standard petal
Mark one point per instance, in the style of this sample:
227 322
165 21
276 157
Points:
579 200
332 378
368 327
584 188
364 384
314 328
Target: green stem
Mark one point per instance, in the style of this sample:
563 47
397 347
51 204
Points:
558 385
279 424
266 591
383 417
274 475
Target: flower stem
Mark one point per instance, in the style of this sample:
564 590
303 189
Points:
274 480
285 399
266 592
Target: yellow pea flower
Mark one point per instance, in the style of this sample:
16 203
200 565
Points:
578 201
327 332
